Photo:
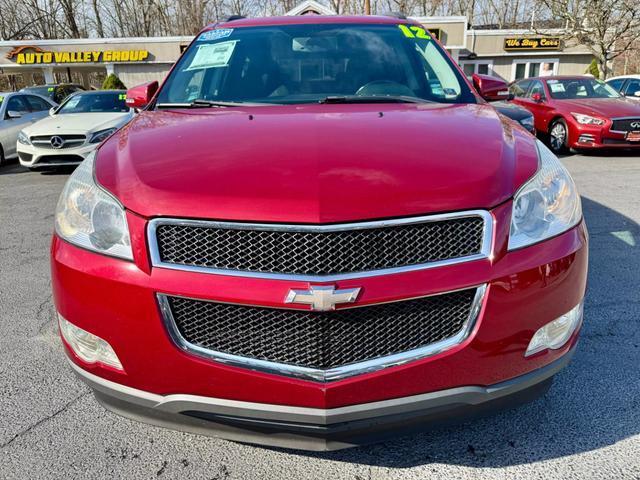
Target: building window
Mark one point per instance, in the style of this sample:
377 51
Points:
544 67
482 67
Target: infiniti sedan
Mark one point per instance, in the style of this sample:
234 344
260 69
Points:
579 112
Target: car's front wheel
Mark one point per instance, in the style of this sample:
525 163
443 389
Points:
558 137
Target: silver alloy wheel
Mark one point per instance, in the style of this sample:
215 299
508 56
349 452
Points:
558 136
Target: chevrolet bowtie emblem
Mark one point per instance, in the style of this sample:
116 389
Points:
322 298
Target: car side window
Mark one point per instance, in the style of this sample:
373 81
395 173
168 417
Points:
519 89
617 84
536 87
37 104
17 104
632 88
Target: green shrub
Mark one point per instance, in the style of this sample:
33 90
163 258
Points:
112 82
593 69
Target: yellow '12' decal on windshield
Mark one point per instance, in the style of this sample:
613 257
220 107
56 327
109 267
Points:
413 31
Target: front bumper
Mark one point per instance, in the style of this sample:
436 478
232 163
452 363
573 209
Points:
315 428
38 157
593 137
117 301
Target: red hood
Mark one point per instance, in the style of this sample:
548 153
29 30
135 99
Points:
603 107
316 163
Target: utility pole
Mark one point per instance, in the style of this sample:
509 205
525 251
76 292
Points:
367 7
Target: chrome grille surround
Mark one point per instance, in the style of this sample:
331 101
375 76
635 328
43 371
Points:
623 124
70 141
330 374
484 250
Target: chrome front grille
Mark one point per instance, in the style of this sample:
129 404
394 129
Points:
320 252
69 141
322 346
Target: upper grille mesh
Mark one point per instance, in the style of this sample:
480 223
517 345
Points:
319 253
321 340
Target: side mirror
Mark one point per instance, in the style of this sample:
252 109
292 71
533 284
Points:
13 114
490 88
141 95
536 97
52 111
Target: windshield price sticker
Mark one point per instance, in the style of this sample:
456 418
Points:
216 34
122 96
213 55
556 87
413 31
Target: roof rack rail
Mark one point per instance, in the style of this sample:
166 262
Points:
396 15
230 18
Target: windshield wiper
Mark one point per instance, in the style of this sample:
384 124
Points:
202 103
372 99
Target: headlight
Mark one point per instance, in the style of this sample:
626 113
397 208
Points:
90 217
97 137
546 205
23 138
527 122
587 119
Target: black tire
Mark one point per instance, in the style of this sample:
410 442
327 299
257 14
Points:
558 137
1 155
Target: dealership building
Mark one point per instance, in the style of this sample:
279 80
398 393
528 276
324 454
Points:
508 54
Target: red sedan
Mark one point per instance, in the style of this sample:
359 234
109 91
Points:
579 112
316 233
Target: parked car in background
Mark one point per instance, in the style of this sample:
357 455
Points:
315 233
57 92
521 115
579 112
626 85
18 110
74 129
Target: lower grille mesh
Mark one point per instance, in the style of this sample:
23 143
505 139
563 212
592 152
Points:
321 340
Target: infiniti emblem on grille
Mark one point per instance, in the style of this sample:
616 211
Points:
322 298
635 124
56 141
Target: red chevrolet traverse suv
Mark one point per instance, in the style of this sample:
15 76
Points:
579 112
316 234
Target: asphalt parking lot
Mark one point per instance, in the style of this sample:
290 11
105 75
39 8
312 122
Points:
587 426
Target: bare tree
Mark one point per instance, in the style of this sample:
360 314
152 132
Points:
98 18
607 27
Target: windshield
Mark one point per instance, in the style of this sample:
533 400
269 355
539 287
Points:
44 91
576 88
104 102
287 64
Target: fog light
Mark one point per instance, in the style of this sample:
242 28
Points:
87 346
556 333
